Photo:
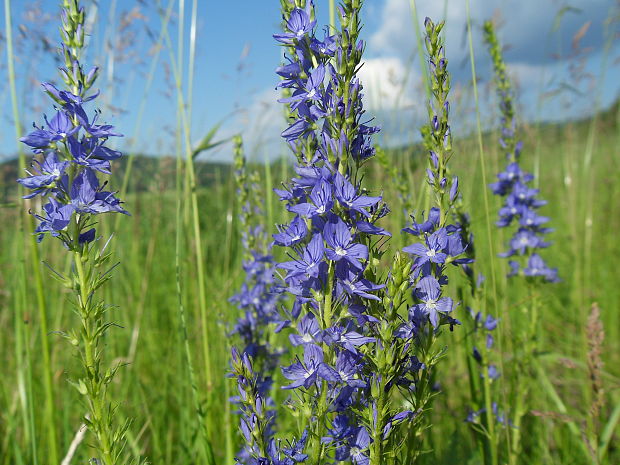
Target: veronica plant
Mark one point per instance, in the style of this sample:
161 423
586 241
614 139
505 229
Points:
257 300
259 296
445 189
71 156
520 207
257 420
328 237
364 375
521 200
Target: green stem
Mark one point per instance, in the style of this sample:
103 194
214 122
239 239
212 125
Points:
491 443
332 15
322 405
376 449
22 351
191 192
183 323
420 44
423 394
524 372
547 386
492 440
608 432
96 389
144 100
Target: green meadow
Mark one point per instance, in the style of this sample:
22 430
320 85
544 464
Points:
579 175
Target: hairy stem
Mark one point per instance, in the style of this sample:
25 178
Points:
96 390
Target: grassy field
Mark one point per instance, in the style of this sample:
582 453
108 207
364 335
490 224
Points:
577 165
178 260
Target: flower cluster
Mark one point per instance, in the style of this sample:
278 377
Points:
331 236
259 296
364 344
441 243
257 421
72 151
257 300
487 324
520 207
325 93
521 200
439 246
358 351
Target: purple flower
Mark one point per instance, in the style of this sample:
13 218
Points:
66 98
304 373
96 149
350 198
396 420
326 47
432 251
321 198
295 130
349 369
310 260
309 331
292 234
86 196
310 92
536 266
357 447
57 218
493 372
351 283
349 340
59 128
454 189
427 226
428 291
97 131
530 219
369 228
524 239
512 208
48 174
337 235
298 25
457 247
81 157
339 431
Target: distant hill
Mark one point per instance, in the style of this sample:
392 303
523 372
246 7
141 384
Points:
150 172
147 173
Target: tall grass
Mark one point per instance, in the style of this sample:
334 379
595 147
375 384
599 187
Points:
31 251
493 438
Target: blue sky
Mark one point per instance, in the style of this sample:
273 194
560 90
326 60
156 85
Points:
235 57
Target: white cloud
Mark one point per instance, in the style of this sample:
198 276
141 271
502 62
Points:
388 83
527 29
527 25
262 124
